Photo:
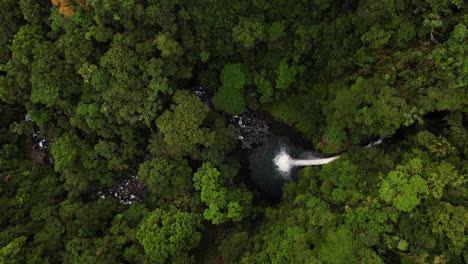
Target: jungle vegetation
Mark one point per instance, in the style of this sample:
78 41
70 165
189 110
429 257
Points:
105 86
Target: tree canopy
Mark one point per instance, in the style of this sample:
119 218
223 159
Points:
121 130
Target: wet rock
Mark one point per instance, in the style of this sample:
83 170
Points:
251 129
127 191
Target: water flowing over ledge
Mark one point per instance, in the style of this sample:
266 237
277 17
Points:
284 163
277 161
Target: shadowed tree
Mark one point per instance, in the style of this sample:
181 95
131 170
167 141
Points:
169 236
182 125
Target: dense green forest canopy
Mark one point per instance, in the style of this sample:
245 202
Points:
93 92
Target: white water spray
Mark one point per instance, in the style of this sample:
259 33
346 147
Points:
284 163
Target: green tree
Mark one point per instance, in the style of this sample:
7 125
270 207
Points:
443 176
233 246
181 125
169 179
404 187
450 223
223 204
79 165
339 181
339 246
10 21
225 137
248 32
167 45
286 75
170 236
10 253
230 97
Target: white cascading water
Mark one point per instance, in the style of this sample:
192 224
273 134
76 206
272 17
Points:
284 163
377 142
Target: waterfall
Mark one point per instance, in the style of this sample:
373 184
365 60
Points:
284 163
278 161
377 142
